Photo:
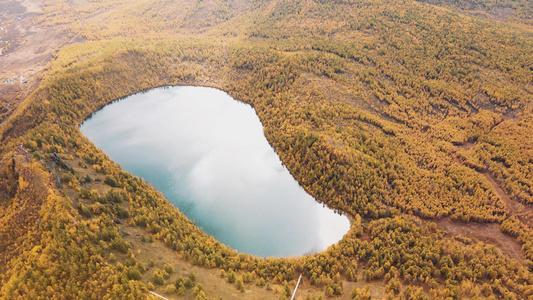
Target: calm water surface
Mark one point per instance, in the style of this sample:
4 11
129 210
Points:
209 157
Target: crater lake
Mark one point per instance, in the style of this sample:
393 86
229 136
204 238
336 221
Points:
208 155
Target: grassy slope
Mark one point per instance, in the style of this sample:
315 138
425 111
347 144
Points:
408 109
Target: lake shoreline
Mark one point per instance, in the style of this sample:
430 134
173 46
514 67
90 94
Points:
208 155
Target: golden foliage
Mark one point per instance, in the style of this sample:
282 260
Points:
381 109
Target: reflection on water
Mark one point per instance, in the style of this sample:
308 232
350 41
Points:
208 155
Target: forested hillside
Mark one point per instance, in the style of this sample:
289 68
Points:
412 117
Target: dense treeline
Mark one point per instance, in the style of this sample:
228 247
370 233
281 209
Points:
50 251
393 111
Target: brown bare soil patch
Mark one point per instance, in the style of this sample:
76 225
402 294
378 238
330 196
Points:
488 233
26 48
466 146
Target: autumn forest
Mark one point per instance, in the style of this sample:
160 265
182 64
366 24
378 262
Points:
413 118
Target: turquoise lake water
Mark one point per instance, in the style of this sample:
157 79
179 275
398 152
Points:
207 154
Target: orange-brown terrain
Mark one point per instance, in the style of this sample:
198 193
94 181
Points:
412 117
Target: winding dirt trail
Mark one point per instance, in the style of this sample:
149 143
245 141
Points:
522 212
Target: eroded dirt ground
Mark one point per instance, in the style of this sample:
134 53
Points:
26 46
